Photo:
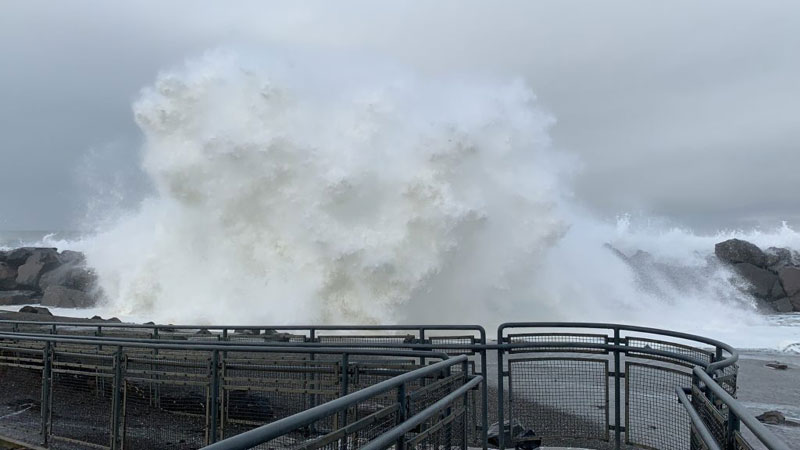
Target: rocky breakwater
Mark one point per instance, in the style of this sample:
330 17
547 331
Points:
772 274
32 275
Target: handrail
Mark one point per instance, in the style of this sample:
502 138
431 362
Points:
89 323
713 367
121 342
278 428
758 429
388 438
291 346
697 422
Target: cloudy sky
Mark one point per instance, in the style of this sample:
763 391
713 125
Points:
683 110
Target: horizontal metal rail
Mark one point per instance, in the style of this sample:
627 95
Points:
733 354
697 422
388 439
758 429
261 348
278 428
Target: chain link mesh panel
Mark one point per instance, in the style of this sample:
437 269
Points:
715 420
166 401
653 416
560 398
571 338
81 396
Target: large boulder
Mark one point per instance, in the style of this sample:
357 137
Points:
63 297
18 256
795 301
739 251
783 305
777 291
8 276
17 297
778 258
73 275
790 280
761 280
70 256
40 261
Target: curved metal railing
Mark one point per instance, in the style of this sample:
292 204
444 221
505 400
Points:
594 385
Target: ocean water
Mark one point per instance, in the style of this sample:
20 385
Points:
368 194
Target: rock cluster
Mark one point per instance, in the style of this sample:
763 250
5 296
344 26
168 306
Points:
772 275
34 275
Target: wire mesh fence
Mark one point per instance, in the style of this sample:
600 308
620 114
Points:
653 417
560 397
110 395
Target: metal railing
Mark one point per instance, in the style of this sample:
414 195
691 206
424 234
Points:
571 384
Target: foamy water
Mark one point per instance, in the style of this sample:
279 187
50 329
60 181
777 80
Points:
294 192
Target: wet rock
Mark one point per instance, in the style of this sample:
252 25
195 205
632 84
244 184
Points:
795 301
739 251
73 275
790 280
114 320
70 256
783 305
772 418
18 256
777 291
39 262
62 297
761 280
778 258
35 310
777 366
17 297
8 276
513 431
203 331
248 331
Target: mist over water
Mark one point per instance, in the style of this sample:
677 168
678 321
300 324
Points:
300 190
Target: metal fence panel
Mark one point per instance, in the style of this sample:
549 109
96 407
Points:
654 418
559 397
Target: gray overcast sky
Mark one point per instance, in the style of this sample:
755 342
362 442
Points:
680 109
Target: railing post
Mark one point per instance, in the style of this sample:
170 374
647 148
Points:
730 430
617 394
116 404
214 403
465 405
46 375
500 394
402 414
343 389
484 399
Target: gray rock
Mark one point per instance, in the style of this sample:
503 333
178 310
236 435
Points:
795 301
35 310
739 251
3 254
790 280
778 258
70 256
783 305
8 276
39 262
17 297
777 291
73 275
62 297
772 418
761 280
18 256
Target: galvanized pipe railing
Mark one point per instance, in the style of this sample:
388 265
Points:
617 336
286 425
